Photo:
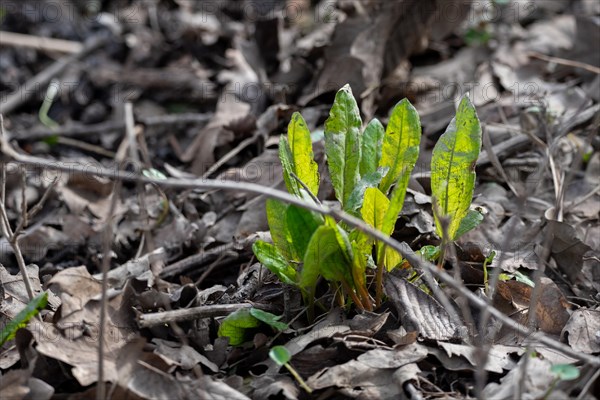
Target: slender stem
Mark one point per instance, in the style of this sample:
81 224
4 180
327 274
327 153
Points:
298 378
352 294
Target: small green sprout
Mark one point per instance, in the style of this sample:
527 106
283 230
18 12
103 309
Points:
282 357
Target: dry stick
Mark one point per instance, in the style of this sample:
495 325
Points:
23 93
78 144
39 42
588 385
564 61
107 240
5 228
403 248
230 154
186 314
487 145
101 388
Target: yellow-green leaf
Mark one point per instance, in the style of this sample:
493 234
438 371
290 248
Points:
400 149
278 228
343 144
453 167
369 180
22 318
300 144
392 258
287 165
372 141
374 207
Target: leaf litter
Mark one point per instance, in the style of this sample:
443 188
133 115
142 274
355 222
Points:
213 86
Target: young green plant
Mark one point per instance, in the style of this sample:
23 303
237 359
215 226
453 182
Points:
282 357
22 318
453 175
369 171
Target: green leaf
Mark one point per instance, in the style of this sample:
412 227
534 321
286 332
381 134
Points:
565 372
287 165
235 324
324 256
370 180
22 318
521 277
400 149
430 253
469 222
392 258
269 256
396 204
453 167
301 225
360 260
372 141
343 144
280 355
374 207
300 146
269 319
278 228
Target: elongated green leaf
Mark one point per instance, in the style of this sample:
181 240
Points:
362 247
300 144
324 256
400 149
287 165
269 256
374 208
278 228
235 324
301 225
269 319
343 144
370 180
22 318
453 167
372 141
469 222
396 204
392 258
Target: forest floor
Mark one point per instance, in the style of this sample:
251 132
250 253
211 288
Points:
139 147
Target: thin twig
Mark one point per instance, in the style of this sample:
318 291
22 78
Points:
564 61
107 244
9 234
230 154
185 314
39 42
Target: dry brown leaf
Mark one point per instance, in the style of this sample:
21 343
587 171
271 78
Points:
420 312
583 330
